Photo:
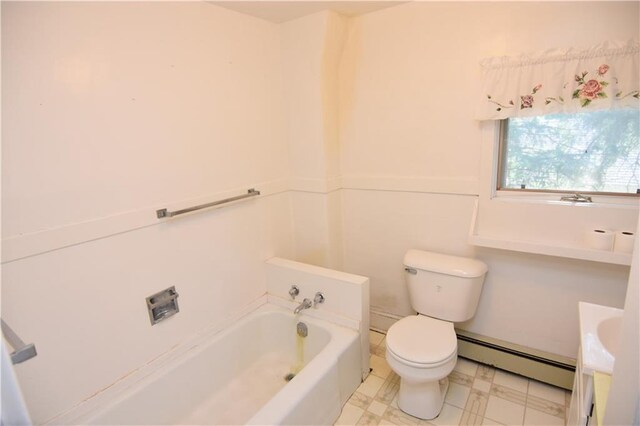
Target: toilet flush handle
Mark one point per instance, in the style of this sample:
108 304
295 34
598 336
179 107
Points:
411 271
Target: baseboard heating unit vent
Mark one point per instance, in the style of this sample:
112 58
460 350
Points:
545 367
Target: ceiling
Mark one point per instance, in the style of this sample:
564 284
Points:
282 11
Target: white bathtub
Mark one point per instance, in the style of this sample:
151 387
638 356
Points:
237 377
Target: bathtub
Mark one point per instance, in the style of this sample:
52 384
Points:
239 376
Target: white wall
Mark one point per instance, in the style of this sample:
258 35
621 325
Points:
312 49
411 157
154 89
110 111
379 227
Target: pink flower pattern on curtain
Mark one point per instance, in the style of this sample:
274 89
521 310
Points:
557 81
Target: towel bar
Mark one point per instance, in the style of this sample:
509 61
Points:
162 213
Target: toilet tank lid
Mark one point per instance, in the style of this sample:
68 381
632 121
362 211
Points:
444 264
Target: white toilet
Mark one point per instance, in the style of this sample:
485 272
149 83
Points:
422 349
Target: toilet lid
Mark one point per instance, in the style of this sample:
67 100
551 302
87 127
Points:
422 340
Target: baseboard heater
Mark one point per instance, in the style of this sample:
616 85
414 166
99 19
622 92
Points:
542 366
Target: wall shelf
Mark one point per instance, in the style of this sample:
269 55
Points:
544 248
552 250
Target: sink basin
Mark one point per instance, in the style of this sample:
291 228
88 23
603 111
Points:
599 336
609 334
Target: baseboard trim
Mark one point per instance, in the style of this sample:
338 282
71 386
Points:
380 321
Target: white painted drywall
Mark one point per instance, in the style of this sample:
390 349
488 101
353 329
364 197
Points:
112 110
184 98
302 48
312 50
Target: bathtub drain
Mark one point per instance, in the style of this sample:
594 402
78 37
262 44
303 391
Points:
289 376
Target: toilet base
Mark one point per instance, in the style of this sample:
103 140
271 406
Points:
422 400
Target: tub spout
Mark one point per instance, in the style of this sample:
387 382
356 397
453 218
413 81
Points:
306 304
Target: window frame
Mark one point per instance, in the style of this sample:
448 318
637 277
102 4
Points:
499 178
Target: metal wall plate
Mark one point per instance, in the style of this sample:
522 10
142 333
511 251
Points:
163 305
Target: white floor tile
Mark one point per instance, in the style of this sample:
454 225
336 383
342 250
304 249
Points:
377 408
482 385
510 380
466 366
380 366
489 422
375 338
449 415
350 415
499 411
457 395
394 402
371 385
503 411
548 392
536 418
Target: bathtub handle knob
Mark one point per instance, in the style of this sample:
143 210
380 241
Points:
318 299
294 291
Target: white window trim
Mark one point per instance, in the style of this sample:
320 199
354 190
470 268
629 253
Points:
550 198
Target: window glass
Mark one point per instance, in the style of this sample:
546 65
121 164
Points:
586 152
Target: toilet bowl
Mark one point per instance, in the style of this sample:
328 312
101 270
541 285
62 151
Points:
422 349
423 352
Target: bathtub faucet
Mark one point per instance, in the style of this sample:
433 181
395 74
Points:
306 304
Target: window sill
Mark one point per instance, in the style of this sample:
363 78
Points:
599 201
581 253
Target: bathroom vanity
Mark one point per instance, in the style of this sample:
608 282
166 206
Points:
599 339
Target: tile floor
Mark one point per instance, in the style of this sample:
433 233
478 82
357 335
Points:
477 395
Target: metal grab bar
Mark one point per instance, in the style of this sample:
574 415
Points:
21 351
162 213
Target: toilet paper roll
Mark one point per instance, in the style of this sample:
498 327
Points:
624 242
600 239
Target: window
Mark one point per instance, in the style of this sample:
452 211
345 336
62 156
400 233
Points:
593 152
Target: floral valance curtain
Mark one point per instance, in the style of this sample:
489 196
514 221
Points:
561 81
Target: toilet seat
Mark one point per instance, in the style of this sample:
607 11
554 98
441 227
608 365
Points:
422 342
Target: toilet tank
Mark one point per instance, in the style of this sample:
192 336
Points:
442 286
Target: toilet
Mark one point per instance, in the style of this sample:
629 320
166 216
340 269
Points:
422 349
